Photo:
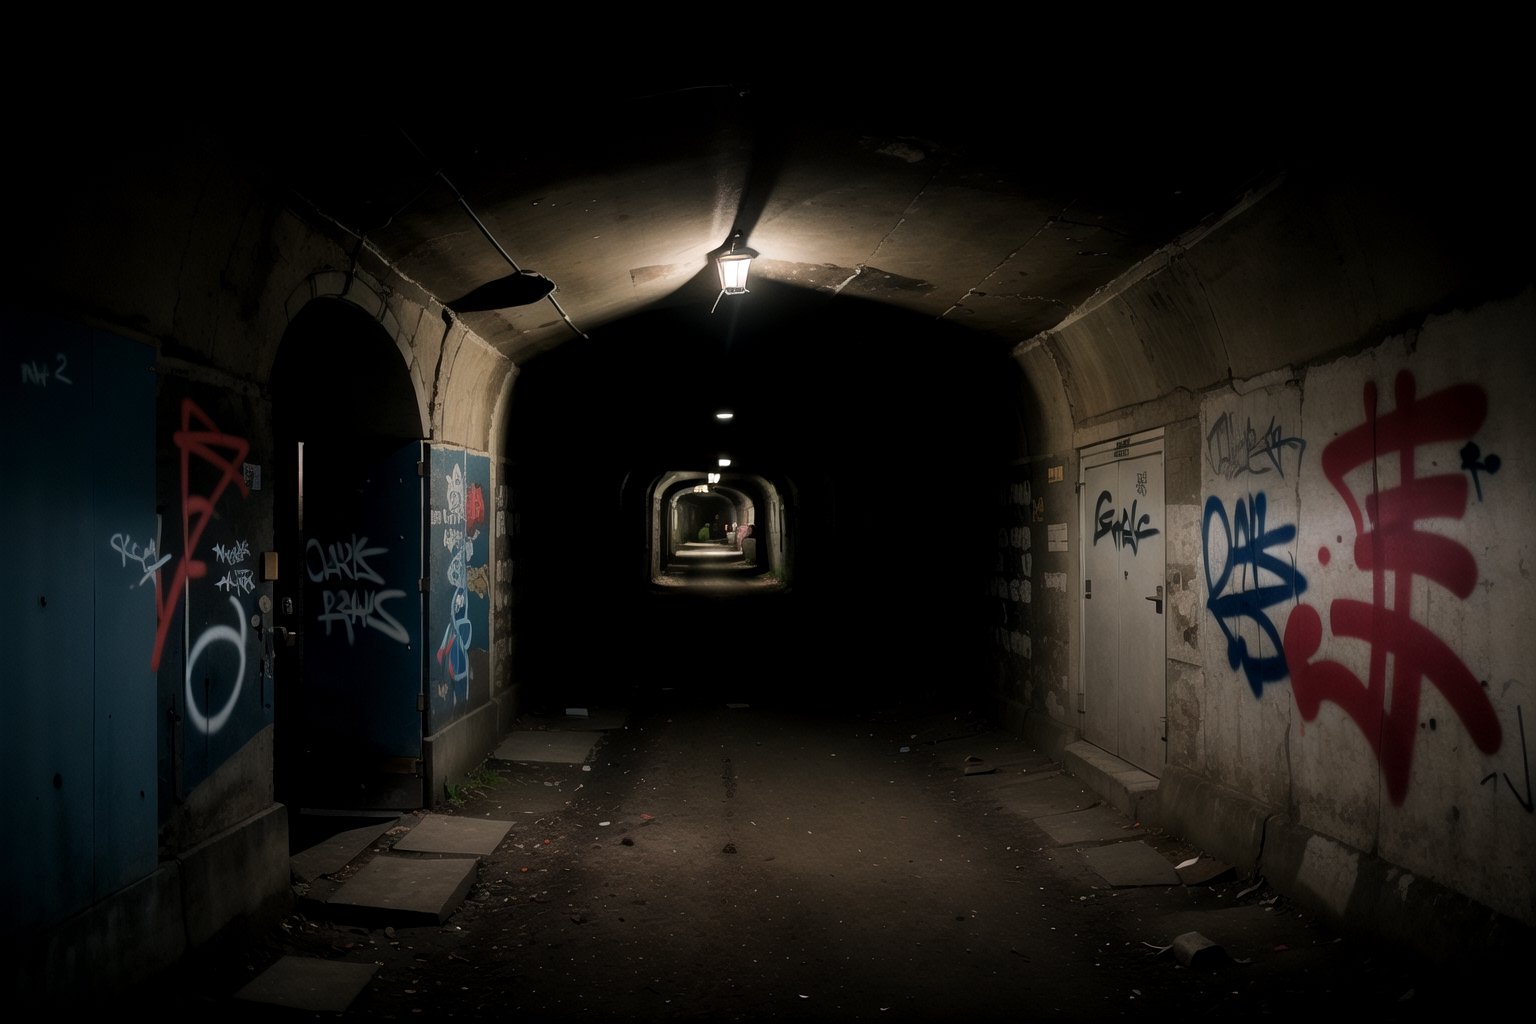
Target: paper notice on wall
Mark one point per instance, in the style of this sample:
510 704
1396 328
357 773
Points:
1056 537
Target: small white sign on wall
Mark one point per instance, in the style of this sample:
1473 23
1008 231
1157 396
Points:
1056 537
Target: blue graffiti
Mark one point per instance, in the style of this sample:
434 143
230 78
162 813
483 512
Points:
1245 542
1473 460
1128 530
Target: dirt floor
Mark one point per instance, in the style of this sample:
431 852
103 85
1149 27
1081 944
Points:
720 863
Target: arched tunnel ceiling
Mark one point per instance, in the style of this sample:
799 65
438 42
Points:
938 200
993 198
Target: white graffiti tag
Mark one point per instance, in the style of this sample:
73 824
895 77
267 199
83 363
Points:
243 580
145 557
363 609
234 554
213 635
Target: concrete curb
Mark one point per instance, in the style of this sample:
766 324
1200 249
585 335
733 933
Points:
1365 894
1356 891
1129 790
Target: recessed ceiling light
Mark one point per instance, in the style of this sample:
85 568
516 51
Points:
725 414
724 462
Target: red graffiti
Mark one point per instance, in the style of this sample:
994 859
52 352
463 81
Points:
1394 544
210 445
474 509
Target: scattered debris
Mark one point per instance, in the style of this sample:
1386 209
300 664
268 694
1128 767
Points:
1195 950
1204 871
1252 888
976 766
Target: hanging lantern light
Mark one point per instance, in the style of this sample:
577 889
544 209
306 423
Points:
733 265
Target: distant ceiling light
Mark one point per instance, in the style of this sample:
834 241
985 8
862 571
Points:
725 414
733 265
724 462
714 478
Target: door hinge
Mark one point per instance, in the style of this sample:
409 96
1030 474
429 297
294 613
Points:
1082 702
421 702
421 584
421 469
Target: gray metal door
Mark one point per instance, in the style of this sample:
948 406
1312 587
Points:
1124 661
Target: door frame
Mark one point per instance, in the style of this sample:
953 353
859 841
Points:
1145 443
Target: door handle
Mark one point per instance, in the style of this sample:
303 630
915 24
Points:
1158 600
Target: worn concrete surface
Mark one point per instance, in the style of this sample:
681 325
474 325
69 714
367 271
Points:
306 983
746 864
1131 863
332 854
450 834
548 746
404 890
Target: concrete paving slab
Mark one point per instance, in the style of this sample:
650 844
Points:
1130 864
1095 825
445 833
548 747
304 983
595 720
331 855
405 890
1038 796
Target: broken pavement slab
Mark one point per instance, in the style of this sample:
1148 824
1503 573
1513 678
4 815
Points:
448 834
594 720
1094 825
331 855
548 747
305 983
404 890
1130 864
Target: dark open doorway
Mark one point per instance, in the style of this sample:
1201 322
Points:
350 514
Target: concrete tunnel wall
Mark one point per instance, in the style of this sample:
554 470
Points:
166 247
1344 389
